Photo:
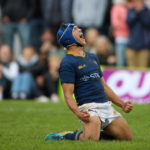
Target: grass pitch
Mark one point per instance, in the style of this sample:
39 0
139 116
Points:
24 125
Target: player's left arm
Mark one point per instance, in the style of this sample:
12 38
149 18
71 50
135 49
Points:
126 106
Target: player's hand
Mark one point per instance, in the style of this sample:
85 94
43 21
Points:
127 107
84 116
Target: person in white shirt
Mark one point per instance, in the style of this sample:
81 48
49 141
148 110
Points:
89 13
8 71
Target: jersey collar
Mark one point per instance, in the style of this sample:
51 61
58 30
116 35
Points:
71 53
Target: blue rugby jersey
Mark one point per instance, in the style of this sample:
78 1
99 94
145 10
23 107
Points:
85 74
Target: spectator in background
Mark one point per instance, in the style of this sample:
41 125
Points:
8 71
48 83
24 86
66 11
89 13
56 11
1 34
47 41
48 46
37 25
147 2
138 21
91 36
104 51
16 16
120 29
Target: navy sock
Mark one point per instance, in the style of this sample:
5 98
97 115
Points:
73 136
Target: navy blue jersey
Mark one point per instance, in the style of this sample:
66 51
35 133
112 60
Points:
85 74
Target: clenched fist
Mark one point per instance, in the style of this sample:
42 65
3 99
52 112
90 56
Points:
127 107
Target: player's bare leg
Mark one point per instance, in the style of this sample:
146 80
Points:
91 130
119 129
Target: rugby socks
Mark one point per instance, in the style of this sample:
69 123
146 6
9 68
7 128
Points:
75 136
72 136
105 136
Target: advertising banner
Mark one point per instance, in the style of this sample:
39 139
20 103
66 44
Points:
129 84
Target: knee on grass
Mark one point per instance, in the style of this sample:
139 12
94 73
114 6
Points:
89 138
127 137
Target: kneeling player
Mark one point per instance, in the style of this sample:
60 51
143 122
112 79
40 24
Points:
80 74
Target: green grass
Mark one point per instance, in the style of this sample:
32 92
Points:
24 125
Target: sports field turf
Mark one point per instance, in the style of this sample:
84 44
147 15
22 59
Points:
24 124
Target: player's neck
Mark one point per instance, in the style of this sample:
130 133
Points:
77 50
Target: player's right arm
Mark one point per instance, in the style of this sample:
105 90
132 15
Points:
68 89
126 106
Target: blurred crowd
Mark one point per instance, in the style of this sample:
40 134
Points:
117 31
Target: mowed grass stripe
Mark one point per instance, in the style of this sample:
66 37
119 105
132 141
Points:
24 124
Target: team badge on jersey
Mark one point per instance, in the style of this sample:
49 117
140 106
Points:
81 66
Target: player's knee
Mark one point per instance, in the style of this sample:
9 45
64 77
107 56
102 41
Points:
90 138
93 137
128 137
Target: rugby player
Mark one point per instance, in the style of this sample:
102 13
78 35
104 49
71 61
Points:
81 75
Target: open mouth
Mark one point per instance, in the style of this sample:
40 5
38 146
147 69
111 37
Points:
81 35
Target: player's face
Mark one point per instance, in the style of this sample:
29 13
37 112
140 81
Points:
78 35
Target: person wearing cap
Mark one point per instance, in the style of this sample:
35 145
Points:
81 75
